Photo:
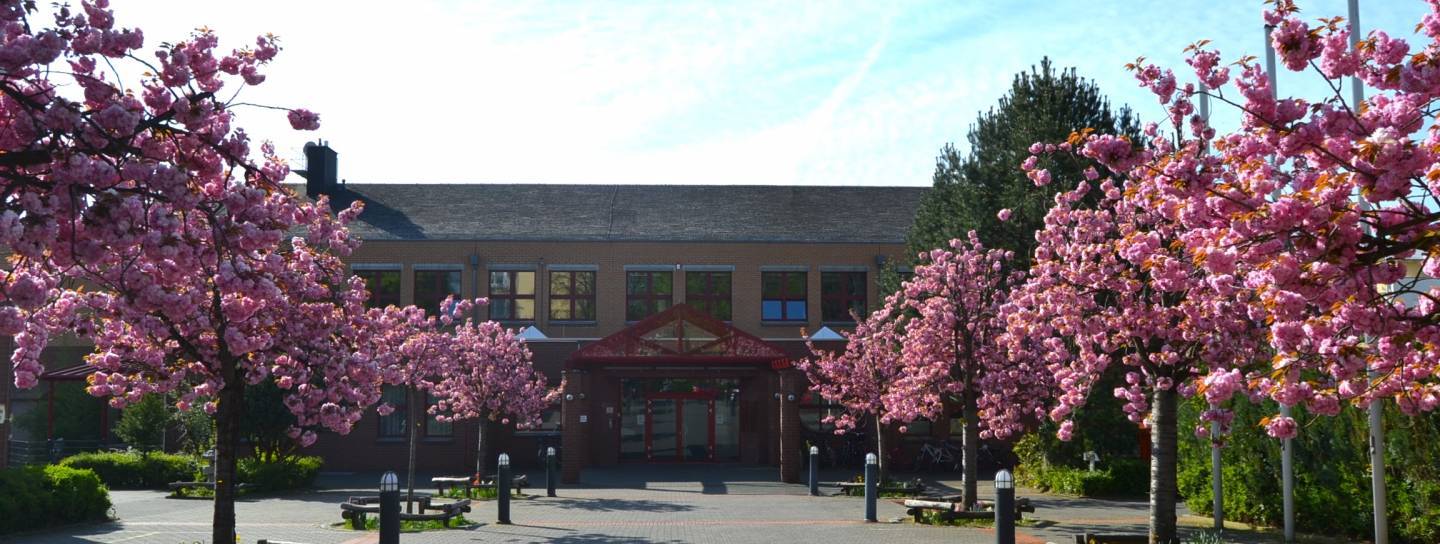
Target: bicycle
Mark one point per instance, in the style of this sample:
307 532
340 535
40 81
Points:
942 456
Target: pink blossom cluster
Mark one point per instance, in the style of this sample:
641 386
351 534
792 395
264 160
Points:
1286 260
864 374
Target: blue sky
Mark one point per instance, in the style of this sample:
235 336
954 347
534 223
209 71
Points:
836 93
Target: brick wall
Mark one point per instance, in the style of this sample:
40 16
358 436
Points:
611 259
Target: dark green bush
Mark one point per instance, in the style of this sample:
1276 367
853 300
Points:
36 497
285 474
127 470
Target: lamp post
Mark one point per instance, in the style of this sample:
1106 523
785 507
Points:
389 508
502 484
1004 507
814 471
550 471
872 477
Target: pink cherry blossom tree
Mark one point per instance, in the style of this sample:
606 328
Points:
1114 284
949 348
861 377
494 379
147 195
416 351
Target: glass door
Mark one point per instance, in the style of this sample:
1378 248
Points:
698 415
661 428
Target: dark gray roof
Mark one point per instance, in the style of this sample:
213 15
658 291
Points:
692 213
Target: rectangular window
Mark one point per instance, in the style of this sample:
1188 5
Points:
709 292
393 425
512 295
572 295
433 286
647 293
840 294
782 296
433 427
383 285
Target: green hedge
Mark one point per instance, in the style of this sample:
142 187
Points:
126 470
282 475
1116 477
36 497
1332 472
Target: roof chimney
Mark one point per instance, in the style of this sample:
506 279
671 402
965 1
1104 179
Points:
320 166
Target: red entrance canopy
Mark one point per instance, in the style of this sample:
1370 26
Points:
681 334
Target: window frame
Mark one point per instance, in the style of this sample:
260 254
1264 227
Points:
844 299
708 298
574 298
401 411
785 297
365 270
514 296
427 433
441 271
654 301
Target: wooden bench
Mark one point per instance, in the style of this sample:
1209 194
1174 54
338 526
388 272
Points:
443 483
950 509
1088 538
356 509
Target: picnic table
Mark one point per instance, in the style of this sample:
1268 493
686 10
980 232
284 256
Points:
952 508
356 509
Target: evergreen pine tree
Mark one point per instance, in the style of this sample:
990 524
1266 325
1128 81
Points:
1043 105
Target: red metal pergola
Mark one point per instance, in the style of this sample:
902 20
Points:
76 373
683 335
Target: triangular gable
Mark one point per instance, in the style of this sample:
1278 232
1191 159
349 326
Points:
677 335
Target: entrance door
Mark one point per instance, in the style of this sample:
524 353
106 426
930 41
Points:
680 427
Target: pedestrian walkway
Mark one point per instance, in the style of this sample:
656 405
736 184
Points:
628 503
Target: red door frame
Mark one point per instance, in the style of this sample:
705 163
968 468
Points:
680 399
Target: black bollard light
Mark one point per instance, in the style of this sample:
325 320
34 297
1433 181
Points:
1004 507
389 509
872 485
550 471
502 483
814 471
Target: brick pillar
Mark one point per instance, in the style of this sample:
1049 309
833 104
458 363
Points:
789 426
574 436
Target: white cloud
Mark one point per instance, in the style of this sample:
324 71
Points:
661 92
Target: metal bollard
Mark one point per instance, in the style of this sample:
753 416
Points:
1004 507
550 472
502 483
872 485
814 471
389 509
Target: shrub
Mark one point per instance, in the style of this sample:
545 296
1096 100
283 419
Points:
129 470
280 475
1117 477
142 425
36 497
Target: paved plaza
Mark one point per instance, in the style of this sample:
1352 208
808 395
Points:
635 503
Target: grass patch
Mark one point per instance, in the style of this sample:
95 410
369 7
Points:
372 523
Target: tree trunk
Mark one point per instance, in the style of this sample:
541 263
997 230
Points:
1162 467
880 450
231 405
970 454
413 421
480 444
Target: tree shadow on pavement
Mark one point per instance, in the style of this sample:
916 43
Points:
619 505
